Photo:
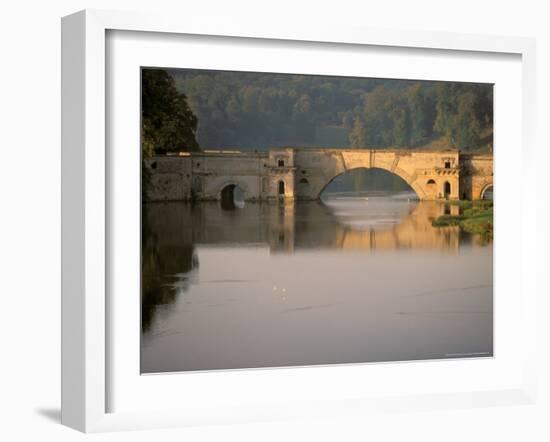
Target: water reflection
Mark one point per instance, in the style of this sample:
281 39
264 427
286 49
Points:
209 274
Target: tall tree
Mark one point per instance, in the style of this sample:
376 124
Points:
463 110
402 127
168 124
422 112
468 127
358 135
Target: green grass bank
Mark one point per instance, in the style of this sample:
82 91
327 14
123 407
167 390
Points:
475 217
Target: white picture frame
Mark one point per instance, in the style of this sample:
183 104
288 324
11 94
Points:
86 354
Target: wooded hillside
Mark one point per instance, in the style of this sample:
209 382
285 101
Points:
255 111
252 110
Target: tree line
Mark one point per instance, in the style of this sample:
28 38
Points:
255 111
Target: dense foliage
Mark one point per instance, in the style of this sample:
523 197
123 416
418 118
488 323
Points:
257 111
168 124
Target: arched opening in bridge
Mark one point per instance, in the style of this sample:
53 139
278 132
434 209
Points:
446 190
368 183
487 193
232 197
281 188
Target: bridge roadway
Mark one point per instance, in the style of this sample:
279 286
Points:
303 173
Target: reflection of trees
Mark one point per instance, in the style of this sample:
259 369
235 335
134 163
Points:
166 263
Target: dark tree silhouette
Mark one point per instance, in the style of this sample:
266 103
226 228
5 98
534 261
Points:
168 124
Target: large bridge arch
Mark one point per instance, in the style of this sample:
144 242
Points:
426 172
420 192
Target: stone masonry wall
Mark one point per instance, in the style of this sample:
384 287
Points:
303 173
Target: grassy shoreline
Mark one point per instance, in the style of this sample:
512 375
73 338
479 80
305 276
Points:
476 217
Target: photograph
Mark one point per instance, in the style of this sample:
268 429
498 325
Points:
292 220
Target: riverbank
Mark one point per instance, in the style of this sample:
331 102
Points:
475 217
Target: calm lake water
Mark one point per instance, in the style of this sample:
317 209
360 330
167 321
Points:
356 278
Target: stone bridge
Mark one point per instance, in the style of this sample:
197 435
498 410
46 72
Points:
303 173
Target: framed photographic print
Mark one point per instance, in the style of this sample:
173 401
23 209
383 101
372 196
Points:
272 223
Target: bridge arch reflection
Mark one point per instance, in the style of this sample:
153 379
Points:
287 227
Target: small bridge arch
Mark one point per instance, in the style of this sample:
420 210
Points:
488 187
227 189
